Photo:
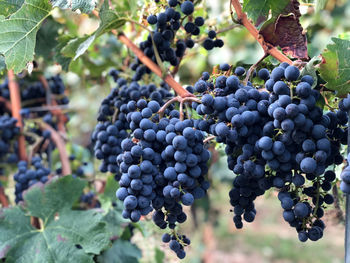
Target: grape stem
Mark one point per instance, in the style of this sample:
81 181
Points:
167 104
207 140
179 99
268 48
253 67
15 97
184 100
35 147
339 211
317 199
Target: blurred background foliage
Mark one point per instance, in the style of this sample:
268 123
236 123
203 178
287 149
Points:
214 238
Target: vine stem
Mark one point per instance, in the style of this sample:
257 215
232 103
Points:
268 48
15 97
167 104
181 91
59 142
207 140
3 198
253 67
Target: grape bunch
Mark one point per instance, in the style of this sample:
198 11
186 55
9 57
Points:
89 199
276 137
8 134
77 166
113 126
172 34
345 177
160 159
163 167
28 175
33 94
344 104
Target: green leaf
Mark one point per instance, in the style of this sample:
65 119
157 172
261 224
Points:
59 57
320 4
115 222
18 33
7 7
46 39
310 69
85 6
110 189
2 64
72 46
122 251
65 235
109 20
261 8
335 67
159 256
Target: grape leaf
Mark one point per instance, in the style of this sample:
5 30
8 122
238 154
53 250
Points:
159 256
8 7
320 4
2 64
59 57
257 9
122 251
46 39
335 66
85 6
108 196
18 33
310 69
109 20
285 30
64 234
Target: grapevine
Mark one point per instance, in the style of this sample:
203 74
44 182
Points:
172 89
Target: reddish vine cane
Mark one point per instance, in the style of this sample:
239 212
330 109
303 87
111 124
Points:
181 91
15 97
3 198
59 142
268 48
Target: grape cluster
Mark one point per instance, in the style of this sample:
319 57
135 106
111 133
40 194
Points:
344 104
279 138
27 176
165 37
345 177
163 166
89 199
275 136
113 126
8 134
33 94
78 167
161 160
